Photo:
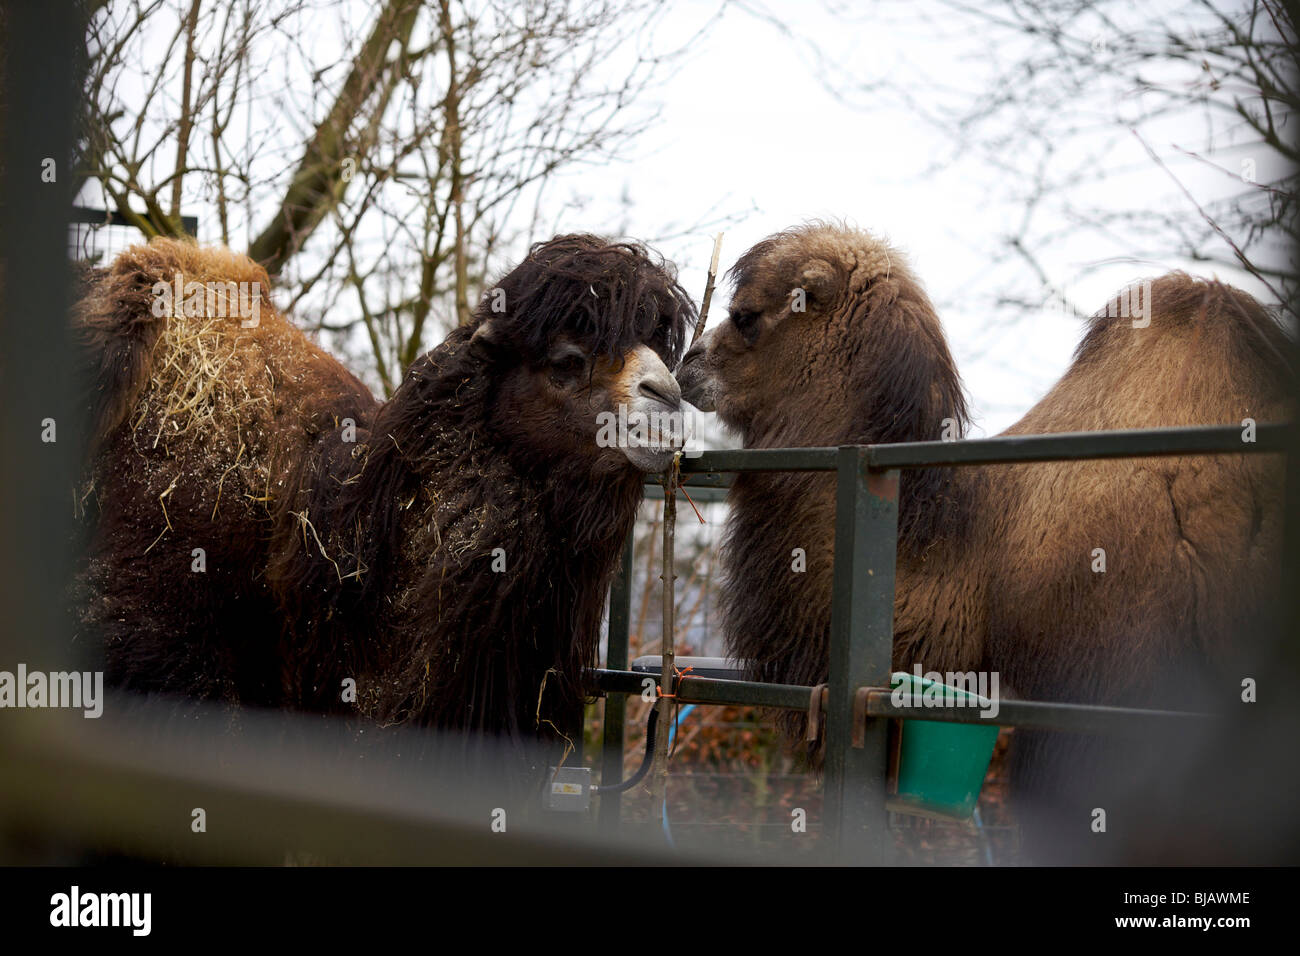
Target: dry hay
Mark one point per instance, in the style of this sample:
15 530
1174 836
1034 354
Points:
197 369
203 418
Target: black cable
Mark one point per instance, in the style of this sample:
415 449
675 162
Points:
633 780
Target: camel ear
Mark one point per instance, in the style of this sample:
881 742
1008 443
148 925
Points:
484 341
818 282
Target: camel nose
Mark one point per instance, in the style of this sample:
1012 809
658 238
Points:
660 385
694 378
693 354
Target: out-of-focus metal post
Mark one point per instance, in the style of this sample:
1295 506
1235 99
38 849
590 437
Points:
862 627
616 657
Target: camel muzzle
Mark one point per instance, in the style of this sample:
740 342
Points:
696 378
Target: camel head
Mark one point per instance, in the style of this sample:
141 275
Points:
580 338
829 339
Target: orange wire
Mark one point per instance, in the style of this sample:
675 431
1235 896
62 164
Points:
678 675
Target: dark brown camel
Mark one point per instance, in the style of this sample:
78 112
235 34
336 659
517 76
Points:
438 559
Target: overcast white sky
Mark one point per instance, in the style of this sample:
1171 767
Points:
747 126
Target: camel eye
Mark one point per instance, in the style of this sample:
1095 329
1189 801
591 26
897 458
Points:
567 366
746 322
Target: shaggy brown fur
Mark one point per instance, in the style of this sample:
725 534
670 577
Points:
994 564
194 423
370 556
479 450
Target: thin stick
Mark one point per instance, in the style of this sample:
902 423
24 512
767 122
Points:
708 290
667 683
667 679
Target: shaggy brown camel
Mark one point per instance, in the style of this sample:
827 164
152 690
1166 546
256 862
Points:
265 531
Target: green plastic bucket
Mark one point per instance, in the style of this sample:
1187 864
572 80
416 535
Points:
940 765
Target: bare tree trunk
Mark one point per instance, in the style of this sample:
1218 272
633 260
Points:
319 179
453 141
186 120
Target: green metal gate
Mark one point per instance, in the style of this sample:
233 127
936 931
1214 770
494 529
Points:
861 641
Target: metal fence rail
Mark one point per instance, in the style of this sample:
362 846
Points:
857 700
1027 714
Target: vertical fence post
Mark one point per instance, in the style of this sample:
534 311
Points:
862 628
611 760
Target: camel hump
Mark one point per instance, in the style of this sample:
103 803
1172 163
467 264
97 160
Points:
127 306
1201 318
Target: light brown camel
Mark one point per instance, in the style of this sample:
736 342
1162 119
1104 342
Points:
831 340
